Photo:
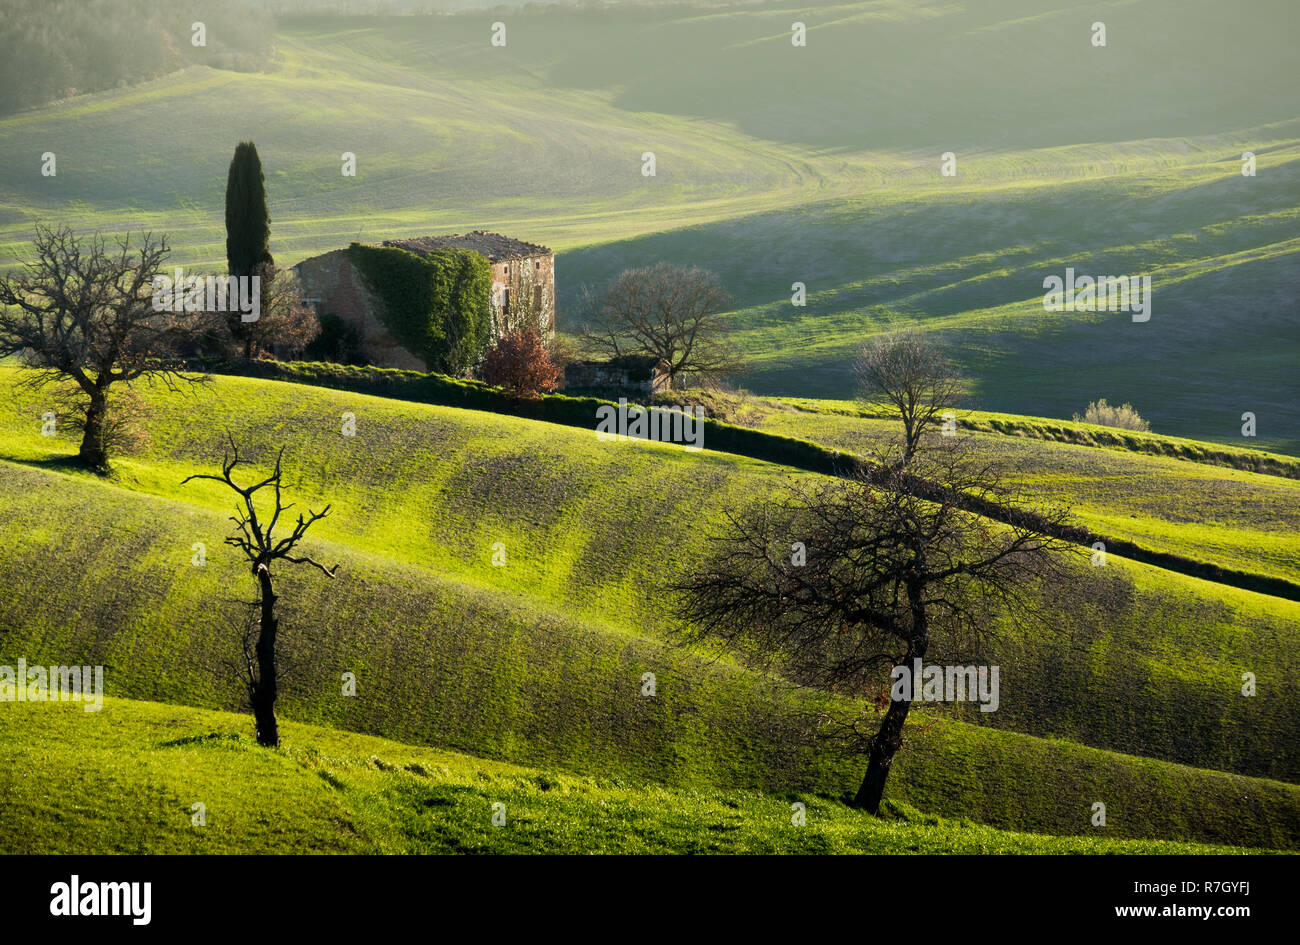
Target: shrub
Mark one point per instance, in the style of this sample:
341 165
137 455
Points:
720 401
521 364
1104 415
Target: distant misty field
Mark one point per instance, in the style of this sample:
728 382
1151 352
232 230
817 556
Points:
775 165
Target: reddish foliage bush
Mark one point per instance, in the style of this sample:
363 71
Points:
521 363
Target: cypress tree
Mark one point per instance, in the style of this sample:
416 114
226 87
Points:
248 224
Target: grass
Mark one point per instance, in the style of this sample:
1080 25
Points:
776 165
1251 552
1041 428
137 769
540 662
597 530
1229 517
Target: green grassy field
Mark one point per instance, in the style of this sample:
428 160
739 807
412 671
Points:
598 529
1077 432
139 768
1229 517
457 653
521 683
778 164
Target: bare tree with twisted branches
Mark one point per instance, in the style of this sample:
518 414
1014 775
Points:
671 312
260 546
895 567
82 312
911 375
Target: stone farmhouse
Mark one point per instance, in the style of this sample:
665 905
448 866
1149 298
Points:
523 289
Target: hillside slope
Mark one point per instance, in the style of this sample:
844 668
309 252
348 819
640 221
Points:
770 173
331 792
97 574
597 530
1229 517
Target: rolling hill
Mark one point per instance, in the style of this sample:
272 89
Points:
1230 517
505 591
771 173
540 662
334 792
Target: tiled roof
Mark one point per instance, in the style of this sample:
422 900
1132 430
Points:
492 245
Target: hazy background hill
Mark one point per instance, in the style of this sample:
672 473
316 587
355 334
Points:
777 164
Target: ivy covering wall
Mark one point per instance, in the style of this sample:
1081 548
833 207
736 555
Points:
436 306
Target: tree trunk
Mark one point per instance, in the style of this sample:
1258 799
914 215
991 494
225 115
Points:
887 742
890 737
264 689
93 452
911 436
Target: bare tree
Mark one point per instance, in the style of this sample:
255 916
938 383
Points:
287 323
124 426
914 377
83 313
263 549
673 313
884 576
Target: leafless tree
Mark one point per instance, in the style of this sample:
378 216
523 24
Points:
258 543
82 312
287 323
125 424
673 313
909 372
886 576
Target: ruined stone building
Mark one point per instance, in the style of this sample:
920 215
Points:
523 289
635 373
